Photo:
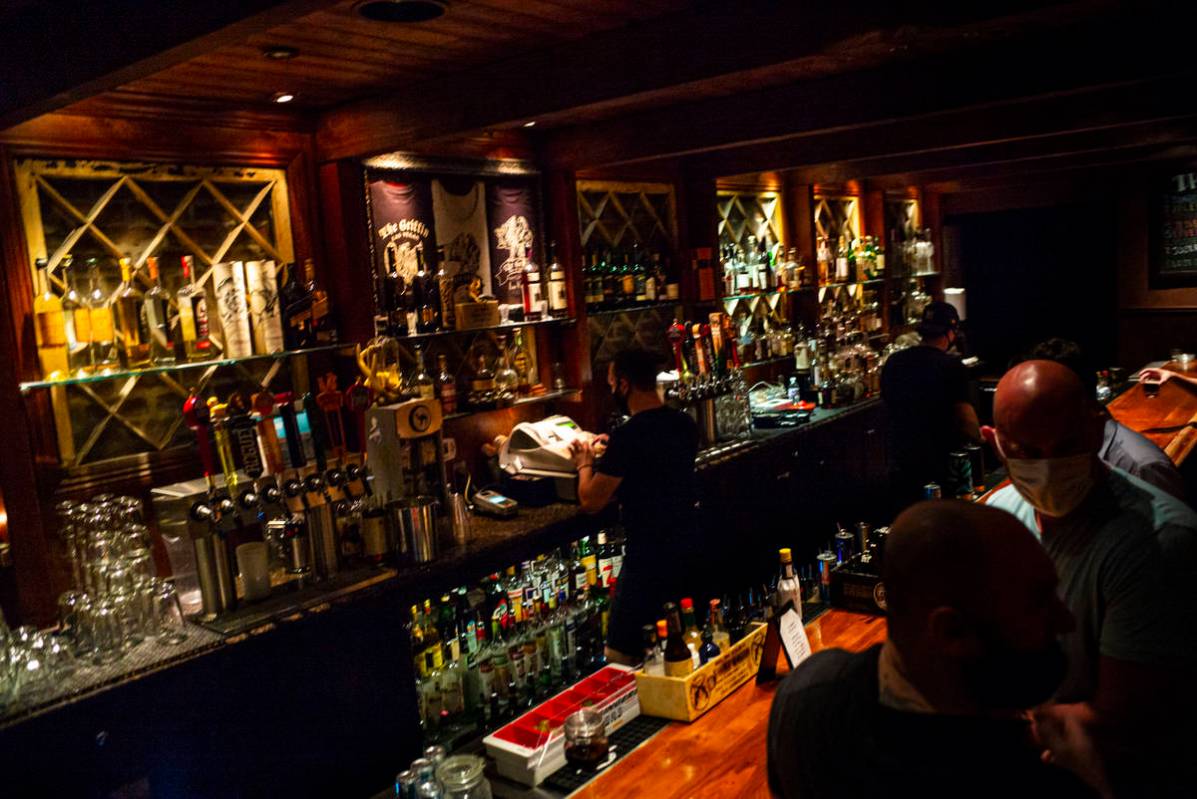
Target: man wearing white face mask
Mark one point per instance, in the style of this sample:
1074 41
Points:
1126 554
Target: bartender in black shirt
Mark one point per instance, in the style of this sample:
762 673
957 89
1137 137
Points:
925 389
649 464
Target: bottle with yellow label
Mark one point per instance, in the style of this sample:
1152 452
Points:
76 319
49 325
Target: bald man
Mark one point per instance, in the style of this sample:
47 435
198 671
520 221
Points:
1126 554
935 711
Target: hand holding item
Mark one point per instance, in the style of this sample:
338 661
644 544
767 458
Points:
1067 735
582 452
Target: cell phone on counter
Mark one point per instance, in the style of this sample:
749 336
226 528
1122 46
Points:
492 503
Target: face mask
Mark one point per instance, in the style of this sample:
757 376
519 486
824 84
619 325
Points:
1054 486
1008 679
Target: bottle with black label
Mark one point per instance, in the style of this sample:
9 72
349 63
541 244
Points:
427 297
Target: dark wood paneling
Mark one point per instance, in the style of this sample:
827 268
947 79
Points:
346 235
30 549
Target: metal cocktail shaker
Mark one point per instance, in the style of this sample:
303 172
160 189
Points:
418 527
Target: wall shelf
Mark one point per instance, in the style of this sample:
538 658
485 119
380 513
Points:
492 328
533 400
640 306
172 368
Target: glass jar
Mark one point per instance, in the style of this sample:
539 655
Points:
586 739
462 777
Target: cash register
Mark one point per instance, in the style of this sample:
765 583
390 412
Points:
541 450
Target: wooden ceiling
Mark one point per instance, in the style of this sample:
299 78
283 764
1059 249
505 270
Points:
343 56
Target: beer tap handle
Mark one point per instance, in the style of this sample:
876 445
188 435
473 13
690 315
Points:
291 428
223 448
263 404
319 433
330 402
241 428
199 419
357 399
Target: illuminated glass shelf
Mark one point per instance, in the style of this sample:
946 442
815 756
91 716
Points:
173 368
546 397
553 320
639 306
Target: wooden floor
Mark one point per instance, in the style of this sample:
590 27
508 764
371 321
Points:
722 754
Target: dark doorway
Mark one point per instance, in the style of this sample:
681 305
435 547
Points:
1034 273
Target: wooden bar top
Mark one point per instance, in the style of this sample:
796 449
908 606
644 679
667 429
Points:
723 753
1169 420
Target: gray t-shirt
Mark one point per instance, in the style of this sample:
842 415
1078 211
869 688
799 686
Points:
1128 572
1138 455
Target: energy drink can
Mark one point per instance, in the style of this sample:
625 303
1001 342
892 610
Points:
932 491
976 459
843 545
405 785
826 564
960 474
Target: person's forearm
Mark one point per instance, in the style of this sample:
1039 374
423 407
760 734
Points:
586 492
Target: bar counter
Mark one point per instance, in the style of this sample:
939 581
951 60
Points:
720 754
1168 420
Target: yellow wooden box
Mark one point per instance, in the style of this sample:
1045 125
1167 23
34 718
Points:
687 698
473 315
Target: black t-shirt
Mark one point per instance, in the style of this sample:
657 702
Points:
654 453
830 736
921 387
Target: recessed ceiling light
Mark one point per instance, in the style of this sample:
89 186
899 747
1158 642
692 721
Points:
280 52
531 124
283 97
400 10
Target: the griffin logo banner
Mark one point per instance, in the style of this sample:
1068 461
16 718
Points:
512 215
402 219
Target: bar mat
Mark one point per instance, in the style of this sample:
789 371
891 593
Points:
569 779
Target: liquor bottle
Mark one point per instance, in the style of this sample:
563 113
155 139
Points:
522 363
324 331
446 386
654 279
482 384
823 265
679 661
261 279
673 289
423 384
788 588
627 281
101 328
426 296
589 561
232 307
131 321
654 659
531 288
157 317
49 325
507 380
77 321
603 558
708 650
432 635
719 632
691 634
841 261
193 316
558 298
446 282
610 278
297 310
639 275
878 258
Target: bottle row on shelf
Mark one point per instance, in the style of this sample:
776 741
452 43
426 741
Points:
427 299
260 309
484 654
625 278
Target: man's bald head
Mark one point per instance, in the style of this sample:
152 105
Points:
977 560
1042 410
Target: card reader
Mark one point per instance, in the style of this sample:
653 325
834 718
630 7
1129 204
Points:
492 503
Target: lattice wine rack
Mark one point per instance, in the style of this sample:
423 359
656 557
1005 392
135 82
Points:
618 214
837 216
109 210
743 214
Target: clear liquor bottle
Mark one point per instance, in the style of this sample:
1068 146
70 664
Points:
789 590
157 314
506 378
132 325
49 325
105 356
192 302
